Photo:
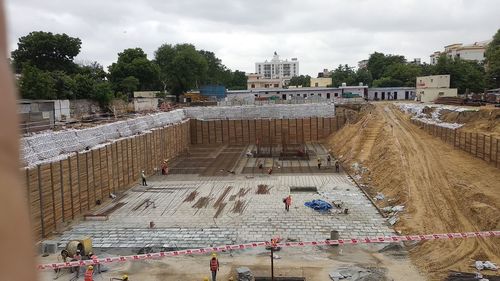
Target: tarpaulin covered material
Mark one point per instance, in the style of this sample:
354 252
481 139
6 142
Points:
319 205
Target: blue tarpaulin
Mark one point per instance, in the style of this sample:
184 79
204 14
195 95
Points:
319 205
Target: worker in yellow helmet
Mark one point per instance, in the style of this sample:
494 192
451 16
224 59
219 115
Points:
214 266
89 274
125 277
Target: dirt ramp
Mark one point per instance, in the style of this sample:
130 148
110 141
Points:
442 189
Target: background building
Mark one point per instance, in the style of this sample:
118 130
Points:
321 82
391 93
257 81
362 64
429 88
472 52
278 69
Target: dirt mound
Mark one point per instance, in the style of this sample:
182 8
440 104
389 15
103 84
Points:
443 190
485 120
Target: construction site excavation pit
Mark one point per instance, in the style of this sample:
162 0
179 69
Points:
226 184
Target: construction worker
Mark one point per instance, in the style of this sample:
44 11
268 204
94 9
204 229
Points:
125 277
95 259
337 166
214 266
319 163
329 160
77 257
143 177
89 274
288 202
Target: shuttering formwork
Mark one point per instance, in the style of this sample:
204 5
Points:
61 191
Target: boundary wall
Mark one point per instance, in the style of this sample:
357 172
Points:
483 146
68 173
266 131
61 191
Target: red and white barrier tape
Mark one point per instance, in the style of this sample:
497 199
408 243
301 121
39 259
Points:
354 241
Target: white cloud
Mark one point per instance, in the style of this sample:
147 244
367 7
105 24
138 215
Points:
321 34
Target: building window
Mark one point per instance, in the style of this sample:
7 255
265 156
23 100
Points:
328 95
336 94
383 96
395 95
253 85
315 84
298 95
256 95
276 85
304 95
376 95
320 95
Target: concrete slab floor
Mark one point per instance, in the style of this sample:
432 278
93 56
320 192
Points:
191 211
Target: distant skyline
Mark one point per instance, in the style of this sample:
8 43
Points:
321 34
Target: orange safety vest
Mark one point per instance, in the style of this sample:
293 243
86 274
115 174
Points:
88 275
214 264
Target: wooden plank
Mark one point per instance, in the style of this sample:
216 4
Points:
192 127
66 190
75 187
278 131
238 130
285 130
211 131
96 160
307 129
46 200
57 194
199 133
314 129
204 131
327 128
251 131
321 129
231 132
104 174
34 202
245 132
300 131
218 131
292 131
258 131
83 180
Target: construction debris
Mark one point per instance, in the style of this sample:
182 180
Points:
191 196
319 205
480 265
356 273
263 189
244 274
379 196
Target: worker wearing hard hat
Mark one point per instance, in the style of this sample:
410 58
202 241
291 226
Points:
89 274
214 266
125 277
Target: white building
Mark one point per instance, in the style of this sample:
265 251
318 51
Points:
278 69
391 93
472 52
360 90
429 88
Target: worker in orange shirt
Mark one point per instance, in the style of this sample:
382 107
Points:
214 266
89 274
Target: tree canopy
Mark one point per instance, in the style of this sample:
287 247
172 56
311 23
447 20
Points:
134 63
493 62
300 80
46 51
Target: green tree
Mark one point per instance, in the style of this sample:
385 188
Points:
64 84
129 85
134 62
379 62
84 86
343 74
103 94
46 51
300 80
182 67
404 72
464 75
387 82
364 76
36 84
238 81
493 62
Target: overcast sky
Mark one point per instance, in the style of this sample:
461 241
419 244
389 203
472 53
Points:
321 34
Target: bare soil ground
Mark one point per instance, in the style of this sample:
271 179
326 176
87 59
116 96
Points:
443 190
486 120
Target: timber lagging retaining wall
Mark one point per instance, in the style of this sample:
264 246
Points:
485 147
61 191
267 131
64 190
